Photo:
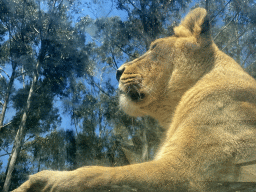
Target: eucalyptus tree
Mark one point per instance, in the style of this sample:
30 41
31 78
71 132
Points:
13 46
233 26
151 18
55 52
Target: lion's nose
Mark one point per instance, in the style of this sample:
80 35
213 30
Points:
119 73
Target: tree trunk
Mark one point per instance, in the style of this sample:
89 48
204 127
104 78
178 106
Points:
207 5
7 96
145 147
144 155
20 134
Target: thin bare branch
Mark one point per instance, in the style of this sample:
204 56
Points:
29 138
113 57
220 11
5 154
111 9
114 61
21 74
5 125
230 42
36 29
99 87
248 55
5 72
225 27
134 5
125 51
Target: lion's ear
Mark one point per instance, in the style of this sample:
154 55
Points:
196 23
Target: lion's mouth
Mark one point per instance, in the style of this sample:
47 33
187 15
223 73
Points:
134 94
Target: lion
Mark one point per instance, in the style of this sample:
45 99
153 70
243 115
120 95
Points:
204 100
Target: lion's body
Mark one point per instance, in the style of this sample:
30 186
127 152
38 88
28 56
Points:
204 100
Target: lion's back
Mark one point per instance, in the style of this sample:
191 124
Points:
215 123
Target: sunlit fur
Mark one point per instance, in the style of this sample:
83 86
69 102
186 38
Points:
204 100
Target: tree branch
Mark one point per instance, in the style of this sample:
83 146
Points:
225 27
233 40
248 55
5 154
125 51
111 9
113 57
92 80
29 138
220 11
5 72
114 61
5 125
134 6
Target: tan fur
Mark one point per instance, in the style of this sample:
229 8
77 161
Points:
204 100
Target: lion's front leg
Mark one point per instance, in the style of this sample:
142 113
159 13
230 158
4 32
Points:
155 175
82 179
47 181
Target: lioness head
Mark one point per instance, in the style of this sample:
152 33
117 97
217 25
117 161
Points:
154 83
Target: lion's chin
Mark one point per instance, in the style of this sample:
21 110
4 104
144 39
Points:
129 107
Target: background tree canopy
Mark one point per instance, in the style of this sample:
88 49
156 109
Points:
58 93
